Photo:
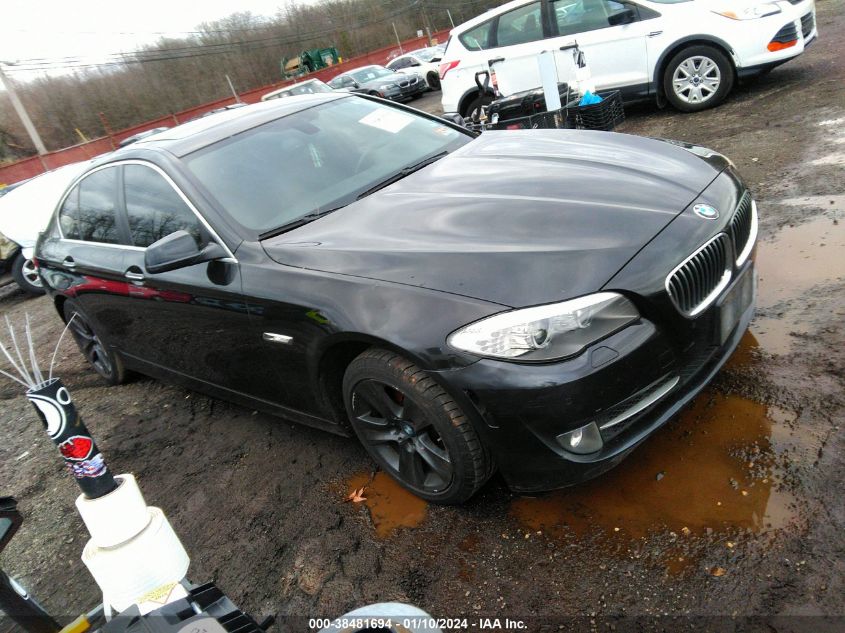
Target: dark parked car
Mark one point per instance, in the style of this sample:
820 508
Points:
381 82
537 302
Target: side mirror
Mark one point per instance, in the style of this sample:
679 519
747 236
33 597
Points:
625 16
415 63
355 84
10 520
179 250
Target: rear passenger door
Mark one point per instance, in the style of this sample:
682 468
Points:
88 259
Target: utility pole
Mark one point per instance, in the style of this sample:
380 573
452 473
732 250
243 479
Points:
22 114
398 41
451 21
232 88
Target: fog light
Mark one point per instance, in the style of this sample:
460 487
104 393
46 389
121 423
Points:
582 441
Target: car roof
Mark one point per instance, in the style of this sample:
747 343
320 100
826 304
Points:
461 28
193 135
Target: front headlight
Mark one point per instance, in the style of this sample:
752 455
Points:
546 332
387 87
752 12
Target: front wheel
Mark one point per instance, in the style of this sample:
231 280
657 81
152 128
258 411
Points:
413 429
104 361
697 78
26 275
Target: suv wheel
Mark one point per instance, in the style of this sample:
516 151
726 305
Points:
413 429
433 80
698 77
26 275
473 110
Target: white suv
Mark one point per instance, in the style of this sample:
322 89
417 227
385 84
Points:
689 51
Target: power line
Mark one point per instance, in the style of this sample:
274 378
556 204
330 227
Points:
166 54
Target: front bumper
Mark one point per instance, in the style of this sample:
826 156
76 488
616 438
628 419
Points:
768 42
525 407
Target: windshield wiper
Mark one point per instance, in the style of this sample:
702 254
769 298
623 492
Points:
300 221
405 171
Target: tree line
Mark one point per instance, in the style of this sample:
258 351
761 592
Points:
175 74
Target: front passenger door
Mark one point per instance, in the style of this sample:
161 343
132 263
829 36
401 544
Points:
616 53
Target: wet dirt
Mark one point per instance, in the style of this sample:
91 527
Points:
390 506
714 468
259 502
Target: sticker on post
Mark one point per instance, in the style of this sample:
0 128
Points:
93 467
387 119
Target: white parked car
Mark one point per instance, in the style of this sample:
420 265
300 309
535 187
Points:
307 87
24 213
424 62
690 51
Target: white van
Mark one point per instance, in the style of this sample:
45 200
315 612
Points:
690 51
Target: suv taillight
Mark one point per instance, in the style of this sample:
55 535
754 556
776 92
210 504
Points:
445 67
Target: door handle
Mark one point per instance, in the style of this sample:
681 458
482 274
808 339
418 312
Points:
134 276
68 262
654 33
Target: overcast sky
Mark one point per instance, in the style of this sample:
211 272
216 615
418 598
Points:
93 28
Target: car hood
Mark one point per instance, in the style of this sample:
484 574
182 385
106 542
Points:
517 218
387 79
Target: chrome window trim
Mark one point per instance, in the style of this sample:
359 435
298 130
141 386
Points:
134 161
752 236
723 282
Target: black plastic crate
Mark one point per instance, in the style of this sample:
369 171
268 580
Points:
541 121
522 104
598 116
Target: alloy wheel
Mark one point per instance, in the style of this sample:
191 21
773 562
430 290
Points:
30 274
91 346
696 79
395 427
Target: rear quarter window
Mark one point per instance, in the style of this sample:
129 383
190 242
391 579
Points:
478 39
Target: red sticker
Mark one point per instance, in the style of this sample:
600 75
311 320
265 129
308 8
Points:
77 447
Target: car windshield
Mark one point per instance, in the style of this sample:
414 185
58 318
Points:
427 54
315 160
368 74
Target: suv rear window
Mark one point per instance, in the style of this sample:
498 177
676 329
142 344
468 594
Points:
478 39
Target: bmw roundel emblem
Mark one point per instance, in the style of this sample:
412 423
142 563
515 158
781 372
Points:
705 211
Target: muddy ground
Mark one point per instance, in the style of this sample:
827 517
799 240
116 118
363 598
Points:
733 509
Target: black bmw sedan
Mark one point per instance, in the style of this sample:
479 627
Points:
534 302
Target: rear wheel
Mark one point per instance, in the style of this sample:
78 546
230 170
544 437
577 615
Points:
697 78
104 361
26 275
413 429
475 107
433 80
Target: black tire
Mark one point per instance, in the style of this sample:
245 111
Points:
479 101
705 74
413 429
26 276
98 354
433 80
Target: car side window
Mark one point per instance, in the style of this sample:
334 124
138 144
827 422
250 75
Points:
89 212
396 64
579 16
520 26
154 208
478 39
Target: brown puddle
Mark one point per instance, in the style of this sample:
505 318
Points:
711 468
799 258
391 506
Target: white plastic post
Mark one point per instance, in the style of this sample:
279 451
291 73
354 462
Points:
548 78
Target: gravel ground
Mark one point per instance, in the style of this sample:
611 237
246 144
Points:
734 509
